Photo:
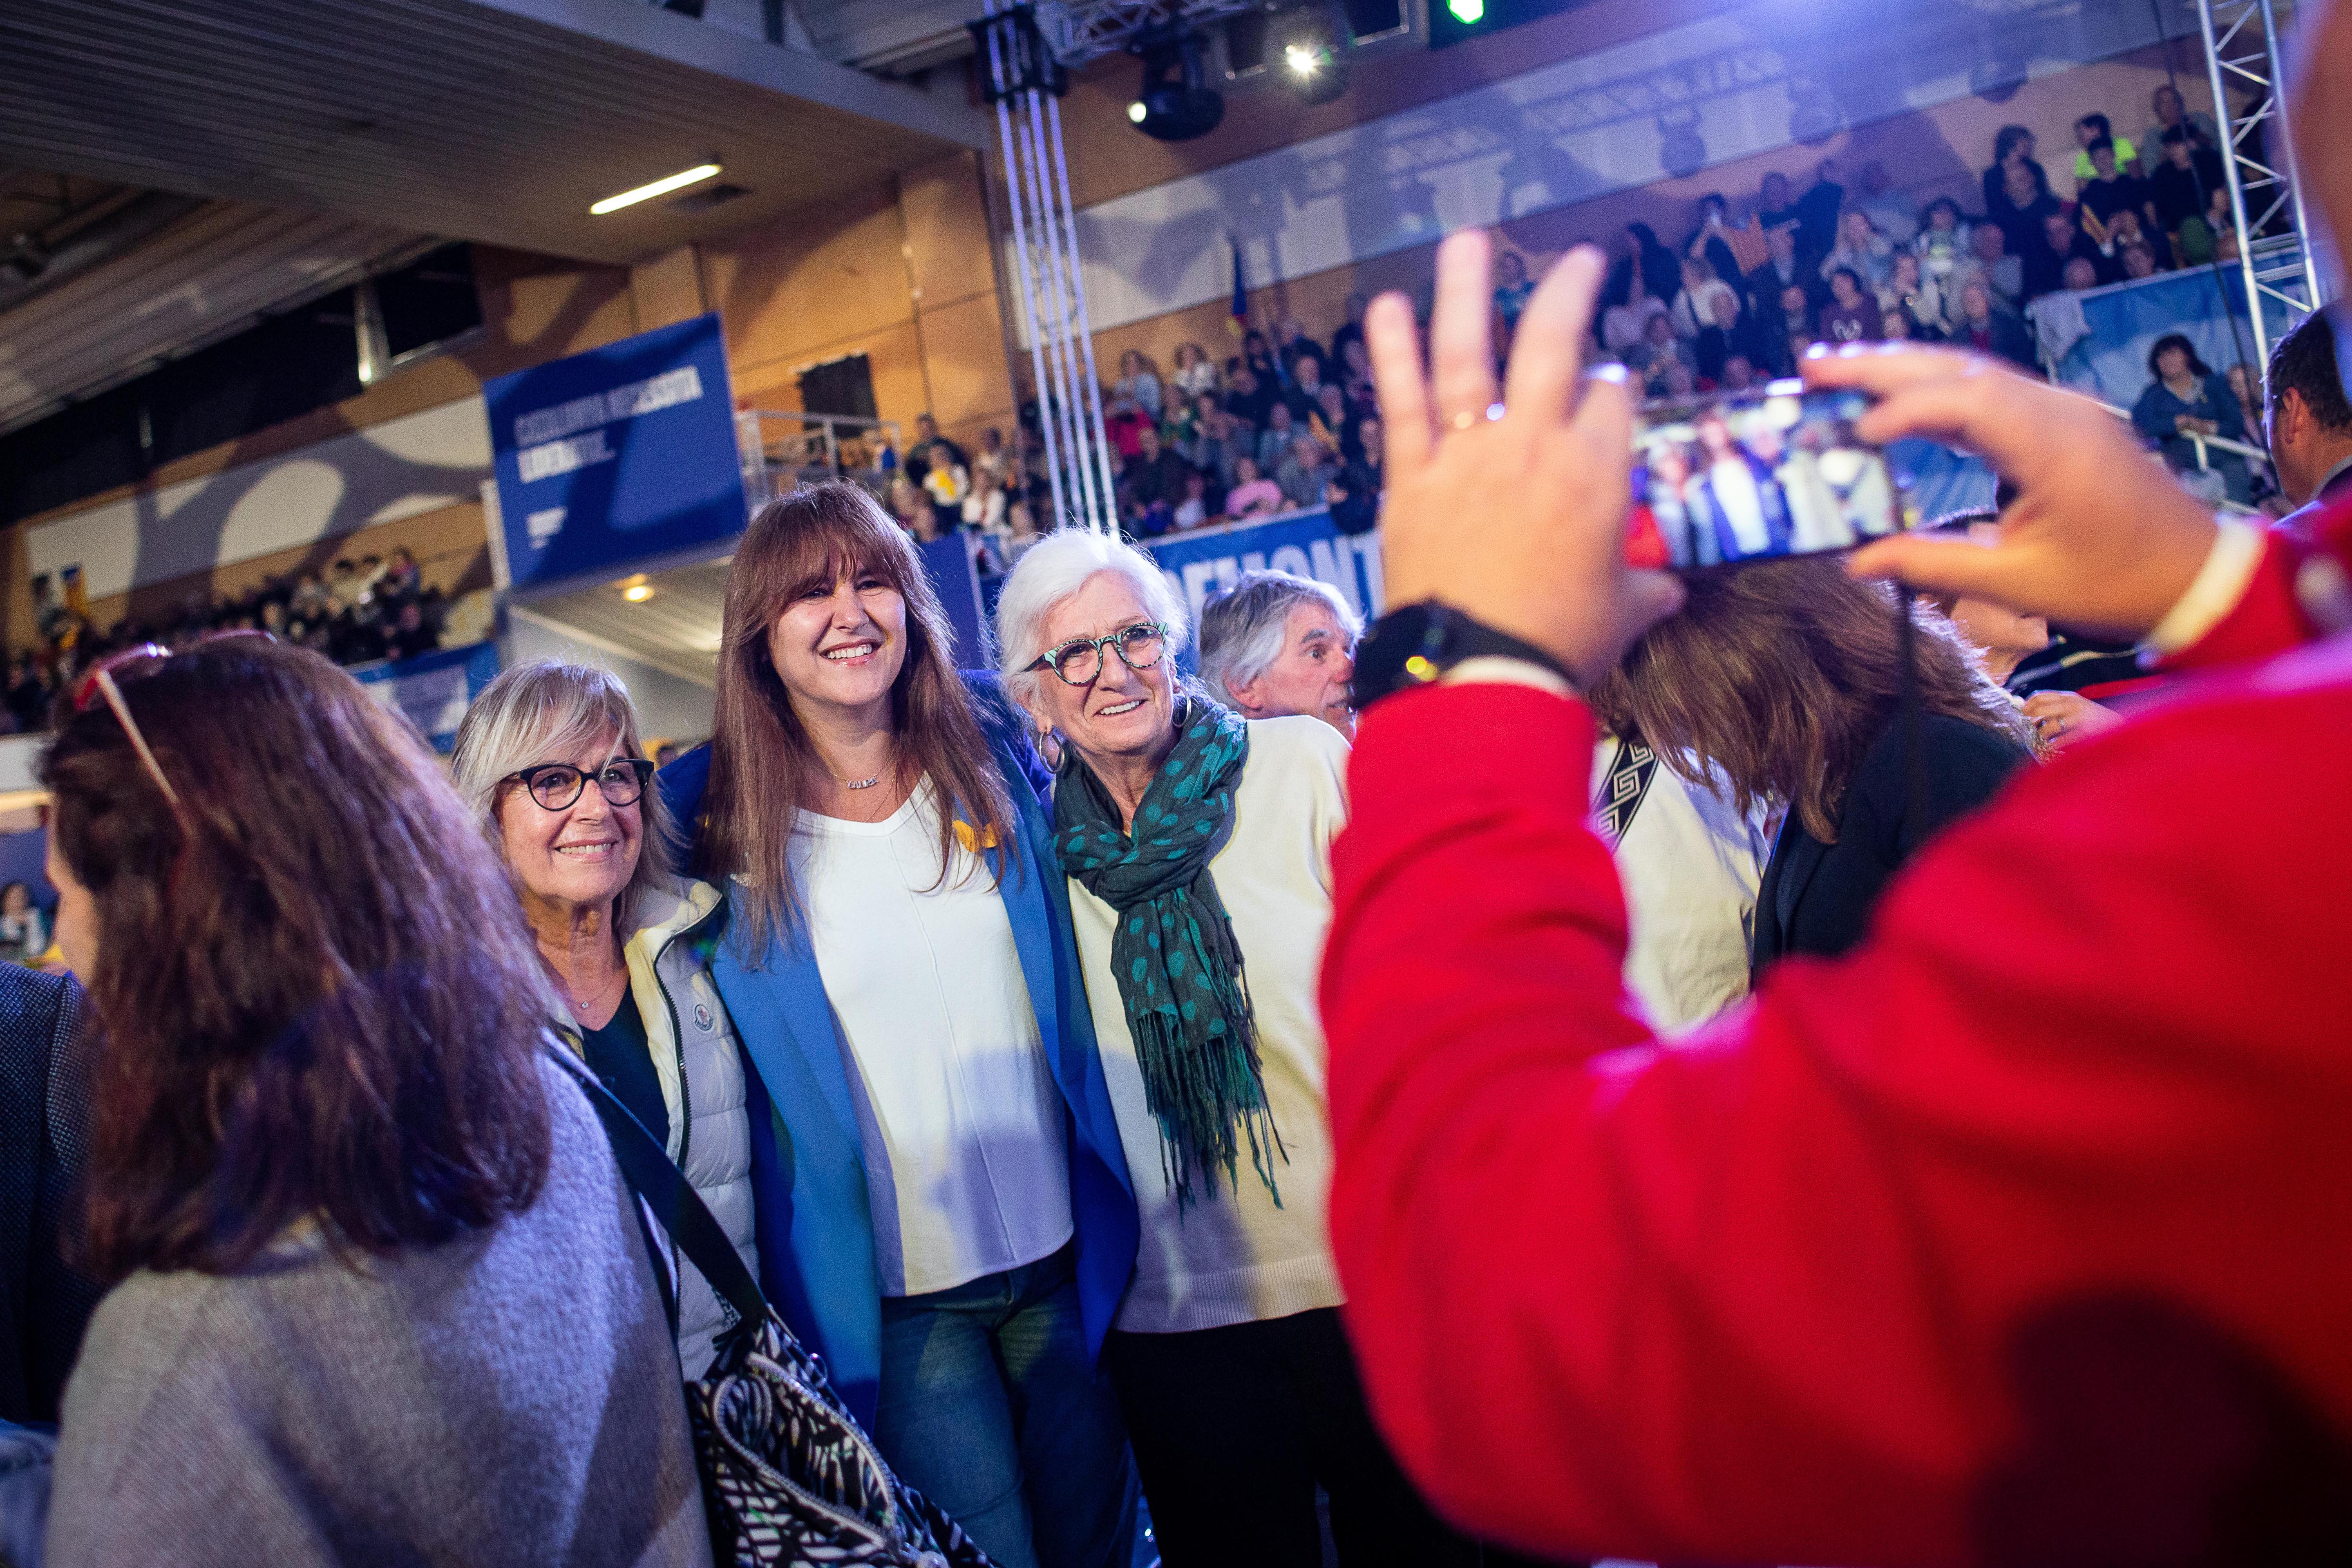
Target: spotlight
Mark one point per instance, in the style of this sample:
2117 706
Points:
1175 103
1682 151
1312 41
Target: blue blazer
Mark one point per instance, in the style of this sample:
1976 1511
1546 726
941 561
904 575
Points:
808 1169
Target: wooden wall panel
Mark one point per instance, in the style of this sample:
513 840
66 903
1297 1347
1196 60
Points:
789 291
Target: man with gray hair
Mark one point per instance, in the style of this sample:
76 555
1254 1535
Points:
1274 643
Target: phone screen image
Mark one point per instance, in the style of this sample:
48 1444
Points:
1724 479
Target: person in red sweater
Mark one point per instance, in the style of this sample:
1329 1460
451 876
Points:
2022 1232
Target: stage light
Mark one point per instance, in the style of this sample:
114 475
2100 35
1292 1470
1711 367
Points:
638 591
1469 13
662 188
1312 41
1175 103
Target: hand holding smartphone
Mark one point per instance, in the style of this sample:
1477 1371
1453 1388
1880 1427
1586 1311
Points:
1731 477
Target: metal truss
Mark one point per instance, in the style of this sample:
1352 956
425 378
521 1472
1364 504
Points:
1025 82
2266 210
1082 30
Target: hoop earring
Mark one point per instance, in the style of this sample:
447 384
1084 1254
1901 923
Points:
1049 747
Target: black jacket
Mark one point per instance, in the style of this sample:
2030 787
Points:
1816 898
45 1106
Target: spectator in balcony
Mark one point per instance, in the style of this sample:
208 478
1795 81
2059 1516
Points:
1694 305
1780 270
24 932
1738 374
1942 243
1991 264
2113 188
28 697
1274 441
1852 315
2309 420
1138 380
994 457
1796 313
1713 240
1196 372
2062 242
1351 331
1304 393
1625 323
2128 228
2078 276
1818 210
2181 186
2171 114
1989 330
1303 474
1292 341
1658 349
930 449
1641 251
1907 288
2024 227
1154 476
1258 355
2014 183
2094 128
984 509
1776 205
1727 331
1193 510
1213 448
1334 424
1512 289
1252 495
1892 212
1249 396
2138 261
2186 398
1353 493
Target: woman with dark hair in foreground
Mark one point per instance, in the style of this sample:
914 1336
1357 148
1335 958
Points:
381 1294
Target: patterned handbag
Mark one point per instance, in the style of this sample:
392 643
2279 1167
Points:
788 1477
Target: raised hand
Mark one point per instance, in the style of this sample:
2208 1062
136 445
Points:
1514 513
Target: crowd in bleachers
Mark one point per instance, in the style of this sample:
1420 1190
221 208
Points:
358 611
1288 422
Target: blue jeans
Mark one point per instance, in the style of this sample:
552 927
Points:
991 1408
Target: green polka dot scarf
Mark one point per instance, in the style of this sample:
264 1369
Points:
1173 955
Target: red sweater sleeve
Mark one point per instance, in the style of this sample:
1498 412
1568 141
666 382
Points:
1775 1294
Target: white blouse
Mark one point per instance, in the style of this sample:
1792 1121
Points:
967 1165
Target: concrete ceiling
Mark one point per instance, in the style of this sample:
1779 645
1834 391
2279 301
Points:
495 121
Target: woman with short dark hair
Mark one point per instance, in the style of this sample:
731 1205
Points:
2186 398
381 1294
1785 680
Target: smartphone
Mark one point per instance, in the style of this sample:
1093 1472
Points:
1729 477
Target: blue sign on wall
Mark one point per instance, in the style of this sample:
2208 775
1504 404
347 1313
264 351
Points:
1201 561
615 455
434 689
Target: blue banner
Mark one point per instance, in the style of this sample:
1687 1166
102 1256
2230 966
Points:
2103 335
1307 544
616 456
433 689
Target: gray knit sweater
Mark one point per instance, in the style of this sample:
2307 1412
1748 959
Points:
512 1397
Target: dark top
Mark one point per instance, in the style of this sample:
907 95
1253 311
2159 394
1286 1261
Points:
2182 194
45 1114
1816 898
2108 197
2003 334
2160 405
622 1058
1152 479
1997 204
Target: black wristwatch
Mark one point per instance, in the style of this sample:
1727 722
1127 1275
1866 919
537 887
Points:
1416 644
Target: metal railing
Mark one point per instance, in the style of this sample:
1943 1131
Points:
781 449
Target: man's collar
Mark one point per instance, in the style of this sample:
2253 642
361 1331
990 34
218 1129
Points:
2336 478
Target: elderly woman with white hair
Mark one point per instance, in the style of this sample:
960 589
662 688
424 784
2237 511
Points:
1197 845
548 757
1274 643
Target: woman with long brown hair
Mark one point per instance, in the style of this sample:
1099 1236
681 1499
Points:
900 965
1785 679
380 1294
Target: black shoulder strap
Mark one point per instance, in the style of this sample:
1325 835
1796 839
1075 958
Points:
679 1211
1625 787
